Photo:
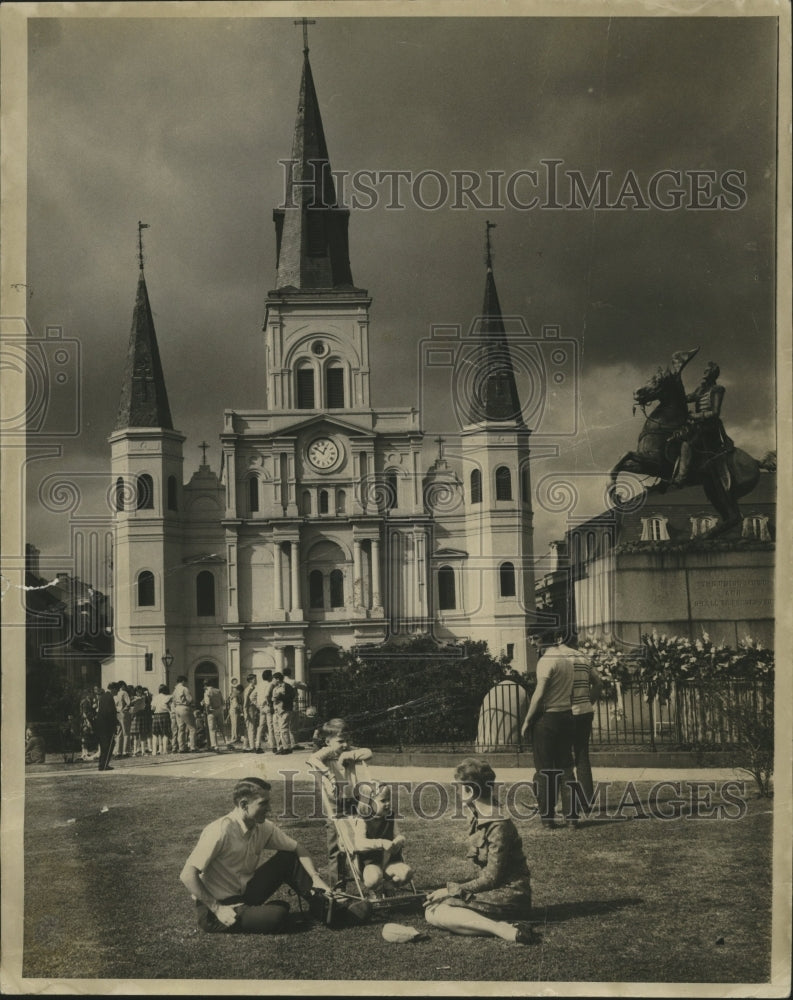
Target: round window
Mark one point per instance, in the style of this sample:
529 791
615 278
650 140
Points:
318 348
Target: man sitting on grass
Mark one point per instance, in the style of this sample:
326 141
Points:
228 876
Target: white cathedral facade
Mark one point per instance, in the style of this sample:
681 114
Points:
323 529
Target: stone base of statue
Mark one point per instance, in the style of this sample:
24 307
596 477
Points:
501 716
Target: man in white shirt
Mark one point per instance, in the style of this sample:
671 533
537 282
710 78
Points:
185 716
550 720
250 710
213 704
124 715
227 873
264 734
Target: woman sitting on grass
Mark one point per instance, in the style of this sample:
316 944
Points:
497 901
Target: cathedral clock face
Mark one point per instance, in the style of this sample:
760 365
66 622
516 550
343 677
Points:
323 453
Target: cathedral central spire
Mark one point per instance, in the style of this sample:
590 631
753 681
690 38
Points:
311 228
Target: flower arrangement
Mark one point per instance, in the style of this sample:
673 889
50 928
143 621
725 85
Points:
662 660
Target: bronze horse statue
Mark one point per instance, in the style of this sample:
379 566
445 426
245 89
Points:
724 475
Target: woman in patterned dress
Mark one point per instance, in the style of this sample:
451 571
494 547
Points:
496 902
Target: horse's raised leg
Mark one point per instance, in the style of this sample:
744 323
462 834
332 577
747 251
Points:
631 461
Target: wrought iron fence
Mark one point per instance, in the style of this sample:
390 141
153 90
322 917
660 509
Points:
690 716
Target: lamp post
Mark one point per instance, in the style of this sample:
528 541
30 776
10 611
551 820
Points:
167 662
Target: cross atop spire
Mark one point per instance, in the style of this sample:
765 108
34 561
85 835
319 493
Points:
141 227
488 249
203 446
305 21
440 442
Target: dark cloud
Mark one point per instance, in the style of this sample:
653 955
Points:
181 122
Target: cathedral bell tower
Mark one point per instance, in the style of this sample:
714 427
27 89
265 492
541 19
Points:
495 453
146 492
317 321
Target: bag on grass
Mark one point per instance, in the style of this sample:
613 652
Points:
337 911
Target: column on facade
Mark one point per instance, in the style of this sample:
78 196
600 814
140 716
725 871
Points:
294 559
233 659
377 600
410 577
232 612
280 658
421 574
300 664
277 580
357 579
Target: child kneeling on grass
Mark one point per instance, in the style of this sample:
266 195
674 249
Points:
228 876
377 844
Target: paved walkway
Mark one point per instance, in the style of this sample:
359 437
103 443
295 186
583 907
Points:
231 765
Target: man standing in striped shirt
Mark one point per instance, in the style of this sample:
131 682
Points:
586 690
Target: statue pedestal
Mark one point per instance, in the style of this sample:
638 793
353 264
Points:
502 713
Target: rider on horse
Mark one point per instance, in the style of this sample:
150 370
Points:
703 434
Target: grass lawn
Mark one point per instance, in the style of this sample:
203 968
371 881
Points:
686 900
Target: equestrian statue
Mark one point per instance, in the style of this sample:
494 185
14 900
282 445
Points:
683 442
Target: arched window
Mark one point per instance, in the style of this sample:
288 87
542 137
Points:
341 502
253 494
336 588
307 502
316 597
701 523
447 599
171 498
145 492
120 493
506 579
145 589
305 388
323 501
655 529
503 483
391 492
205 594
334 387
476 486
756 526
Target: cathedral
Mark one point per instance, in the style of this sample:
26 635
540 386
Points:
324 529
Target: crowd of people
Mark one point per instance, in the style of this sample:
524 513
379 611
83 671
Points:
126 720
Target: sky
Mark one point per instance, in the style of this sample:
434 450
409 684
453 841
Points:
181 123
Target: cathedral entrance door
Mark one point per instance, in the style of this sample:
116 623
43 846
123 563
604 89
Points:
205 673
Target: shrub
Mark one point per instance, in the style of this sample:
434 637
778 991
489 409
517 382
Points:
415 692
752 721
